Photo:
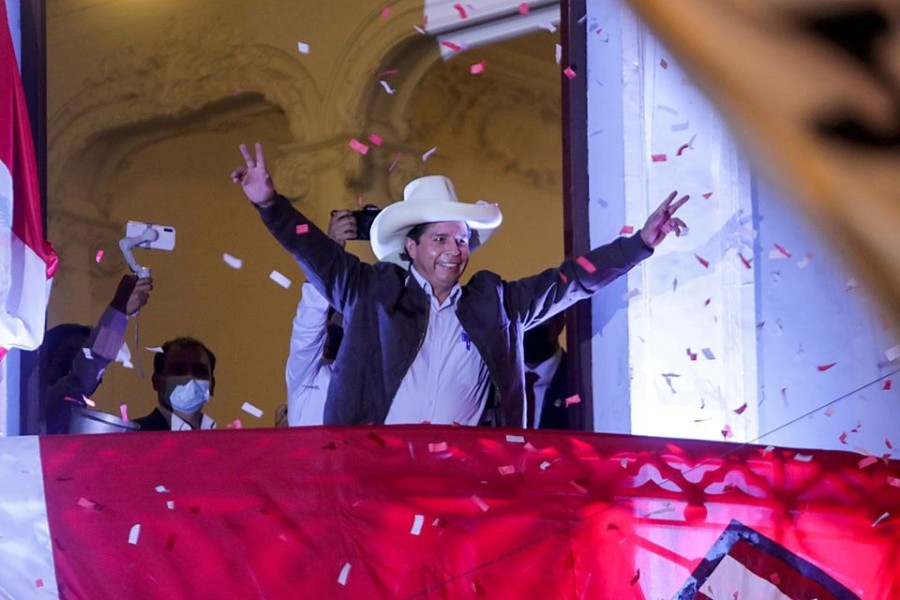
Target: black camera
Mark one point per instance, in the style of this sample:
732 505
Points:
364 218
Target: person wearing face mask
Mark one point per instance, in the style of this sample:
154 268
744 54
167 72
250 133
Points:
184 380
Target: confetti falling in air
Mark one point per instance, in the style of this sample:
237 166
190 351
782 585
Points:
87 353
867 462
626 230
385 13
236 424
479 503
880 519
804 262
515 439
892 354
280 279
681 149
781 250
376 139
708 354
231 261
548 26
394 162
358 146
85 503
428 154
823 368
803 457
563 277
663 63
345 573
707 195
744 260
123 410
451 46
829 411
387 87
523 8
478 67
418 521
768 449
691 355
545 465
633 293
251 410
658 157
740 410
843 437
585 264
886 385
702 261
302 48
569 72
461 10
636 578
39 583
726 432
506 470
894 482
161 489
437 447
99 256
558 54
134 534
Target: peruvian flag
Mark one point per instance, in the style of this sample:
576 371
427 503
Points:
27 261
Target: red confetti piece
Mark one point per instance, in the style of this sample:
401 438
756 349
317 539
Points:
726 431
707 195
523 8
894 481
663 63
626 230
708 300
886 385
682 148
576 399
783 251
563 277
585 264
123 410
38 583
99 256
301 229
744 260
479 503
823 368
843 437
867 462
888 443
236 424
461 10
385 13
774 578
857 428
740 410
451 45
376 139
659 157
829 411
569 72
358 146
386 74
393 166
692 355
636 578
478 68
703 261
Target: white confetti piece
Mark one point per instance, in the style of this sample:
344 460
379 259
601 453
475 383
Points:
438 447
506 469
829 411
88 401
418 521
345 573
155 349
548 26
804 262
558 54
515 439
85 503
708 354
893 481
161 489
302 48
851 284
631 294
880 519
893 354
479 503
170 504
251 410
232 261
387 87
134 534
768 449
419 30
428 154
280 279
545 465
124 356
803 457
87 353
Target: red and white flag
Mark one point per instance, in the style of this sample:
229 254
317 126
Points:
27 261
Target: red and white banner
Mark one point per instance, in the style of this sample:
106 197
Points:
27 262
440 512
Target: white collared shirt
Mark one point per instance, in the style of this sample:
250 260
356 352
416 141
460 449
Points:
545 372
448 381
176 423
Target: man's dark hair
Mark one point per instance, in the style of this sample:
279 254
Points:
159 360
55 335
415 234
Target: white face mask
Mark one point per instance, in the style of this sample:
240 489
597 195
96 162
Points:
186 394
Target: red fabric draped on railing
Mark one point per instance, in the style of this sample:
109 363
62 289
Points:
448 512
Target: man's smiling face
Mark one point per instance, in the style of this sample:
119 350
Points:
441 254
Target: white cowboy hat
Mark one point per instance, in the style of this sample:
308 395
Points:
429 200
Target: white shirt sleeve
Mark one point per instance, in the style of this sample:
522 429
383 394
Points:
308 337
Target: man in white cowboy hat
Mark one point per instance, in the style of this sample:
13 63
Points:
418 345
